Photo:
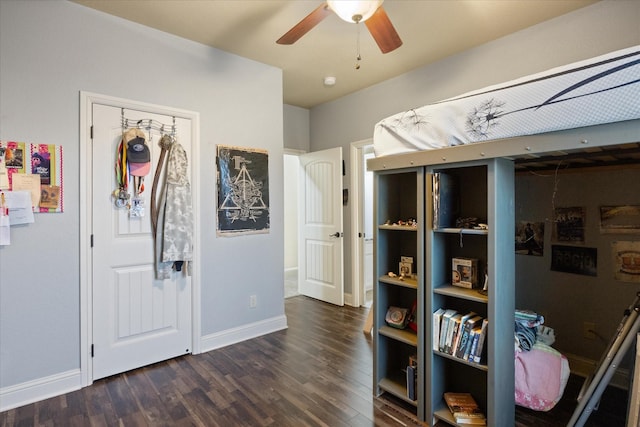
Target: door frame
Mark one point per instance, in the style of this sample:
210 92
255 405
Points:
358 169
294 153
87 99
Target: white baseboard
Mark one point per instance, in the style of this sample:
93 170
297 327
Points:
584 367
242 333
348 299
39 389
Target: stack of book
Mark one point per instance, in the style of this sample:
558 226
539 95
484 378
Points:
412 377
464 409
459 335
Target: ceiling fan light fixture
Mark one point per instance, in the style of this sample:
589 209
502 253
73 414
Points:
354 11
329 81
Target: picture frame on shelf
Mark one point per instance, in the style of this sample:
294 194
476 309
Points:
405 268
464 272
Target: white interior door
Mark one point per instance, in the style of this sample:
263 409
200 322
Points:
137 320
321 234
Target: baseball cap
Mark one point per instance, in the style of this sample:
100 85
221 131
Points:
138 154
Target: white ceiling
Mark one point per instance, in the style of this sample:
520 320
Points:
430 30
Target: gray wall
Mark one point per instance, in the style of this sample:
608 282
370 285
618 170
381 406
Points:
591 31
50 51
565 299
296 128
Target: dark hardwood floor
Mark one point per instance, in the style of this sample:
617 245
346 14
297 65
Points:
318 372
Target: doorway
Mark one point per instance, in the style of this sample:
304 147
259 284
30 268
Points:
126 312
291 167
361 219
314 264
362 223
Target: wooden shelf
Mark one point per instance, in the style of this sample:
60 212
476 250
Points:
397 227
445 415
453 230
407 283
479 366
464 293
406 336
397 389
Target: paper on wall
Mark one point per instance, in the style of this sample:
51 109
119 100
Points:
19 204
30 183
5 230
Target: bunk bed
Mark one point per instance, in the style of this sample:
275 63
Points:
581 107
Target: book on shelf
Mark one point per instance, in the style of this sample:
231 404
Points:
459 335
437 320
464 343
482 337
457 339
464 408
444 327
473 344
452 330
482 421
412 377
446 200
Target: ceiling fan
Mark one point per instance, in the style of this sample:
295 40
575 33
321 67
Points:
369 12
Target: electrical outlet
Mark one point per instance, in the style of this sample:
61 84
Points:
253 301
589 330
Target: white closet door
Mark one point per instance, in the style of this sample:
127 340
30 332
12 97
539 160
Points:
137 320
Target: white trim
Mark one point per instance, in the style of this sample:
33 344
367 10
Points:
39 389
349 300
87 99
293 152
243 333
357 296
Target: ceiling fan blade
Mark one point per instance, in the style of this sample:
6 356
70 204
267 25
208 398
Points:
303 27
383 32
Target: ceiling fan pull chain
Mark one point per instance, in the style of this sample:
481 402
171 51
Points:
358 57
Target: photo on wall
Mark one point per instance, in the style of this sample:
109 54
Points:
626 261
569 224
574 259
243 191
620 219
529 239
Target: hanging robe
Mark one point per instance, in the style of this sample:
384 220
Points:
174 229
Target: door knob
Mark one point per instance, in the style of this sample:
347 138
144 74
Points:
336 234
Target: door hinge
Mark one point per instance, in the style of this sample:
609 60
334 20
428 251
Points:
92 240
92 354
91 131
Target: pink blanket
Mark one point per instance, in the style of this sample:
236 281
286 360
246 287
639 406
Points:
541 376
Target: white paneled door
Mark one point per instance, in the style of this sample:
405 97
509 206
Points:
137 320
320 265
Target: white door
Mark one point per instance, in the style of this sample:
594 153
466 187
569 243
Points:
321 235
137 320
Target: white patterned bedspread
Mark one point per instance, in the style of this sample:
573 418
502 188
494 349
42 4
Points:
600 90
